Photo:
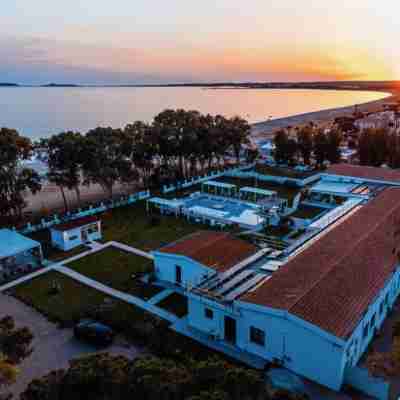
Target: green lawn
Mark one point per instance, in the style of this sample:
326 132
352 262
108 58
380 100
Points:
176 304
307 212
72 302
133 226
284 191
115 268
50 252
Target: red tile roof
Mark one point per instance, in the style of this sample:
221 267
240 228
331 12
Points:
331 283
216 250
361 171
76 223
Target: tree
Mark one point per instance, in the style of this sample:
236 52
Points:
238 131
285 148
305 143
14 180
65 152
102 376
333 141
373 147
320 147
103 157
15 346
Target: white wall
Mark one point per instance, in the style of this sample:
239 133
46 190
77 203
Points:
192 271
301 347
357 343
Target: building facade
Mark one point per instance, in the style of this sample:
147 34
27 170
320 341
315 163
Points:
317 313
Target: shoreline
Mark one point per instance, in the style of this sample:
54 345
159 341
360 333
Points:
265 130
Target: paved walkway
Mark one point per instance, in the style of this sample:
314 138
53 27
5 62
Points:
94 248
160 296
25 278
117 294
130 249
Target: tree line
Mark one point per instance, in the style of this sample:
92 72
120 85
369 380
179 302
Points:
379 146
107 377
309 143
176 145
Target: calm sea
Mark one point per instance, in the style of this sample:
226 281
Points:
39 112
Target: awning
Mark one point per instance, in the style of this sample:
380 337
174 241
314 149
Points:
13 243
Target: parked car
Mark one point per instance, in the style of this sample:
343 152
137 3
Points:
94 332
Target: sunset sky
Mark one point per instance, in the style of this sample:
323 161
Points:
138 41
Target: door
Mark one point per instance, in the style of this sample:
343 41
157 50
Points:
230 330
178 275
84 235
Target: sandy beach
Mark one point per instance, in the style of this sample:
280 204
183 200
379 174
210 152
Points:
266 129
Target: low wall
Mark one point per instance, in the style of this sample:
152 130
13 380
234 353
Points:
272 178
91 210
360 379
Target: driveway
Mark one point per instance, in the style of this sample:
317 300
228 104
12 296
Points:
52 347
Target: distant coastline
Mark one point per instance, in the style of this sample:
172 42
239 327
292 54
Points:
265 129
385 86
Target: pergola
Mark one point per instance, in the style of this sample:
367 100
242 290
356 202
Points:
257 194
166 205
219 188
17 250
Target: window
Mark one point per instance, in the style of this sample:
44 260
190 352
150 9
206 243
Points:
178 274
381 308
365 331
372 323
257 336
73 237
208 313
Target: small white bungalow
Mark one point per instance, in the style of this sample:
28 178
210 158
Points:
75 233
18 253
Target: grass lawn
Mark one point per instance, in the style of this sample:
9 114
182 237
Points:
133 226
73 300
114 267
176 304
50 252
307 212
283 191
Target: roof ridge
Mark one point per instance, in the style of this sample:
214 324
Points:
364 236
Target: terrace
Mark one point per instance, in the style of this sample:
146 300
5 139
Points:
221 211
284 191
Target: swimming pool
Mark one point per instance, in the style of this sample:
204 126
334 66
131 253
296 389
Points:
223 210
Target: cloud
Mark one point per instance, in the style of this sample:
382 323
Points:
41 60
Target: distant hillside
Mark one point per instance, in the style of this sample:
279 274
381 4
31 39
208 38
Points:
8 84
60 85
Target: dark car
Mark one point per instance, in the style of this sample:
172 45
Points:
94 332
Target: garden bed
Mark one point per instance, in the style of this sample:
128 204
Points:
308 212
176 304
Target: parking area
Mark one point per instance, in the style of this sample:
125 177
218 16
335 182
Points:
53 347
